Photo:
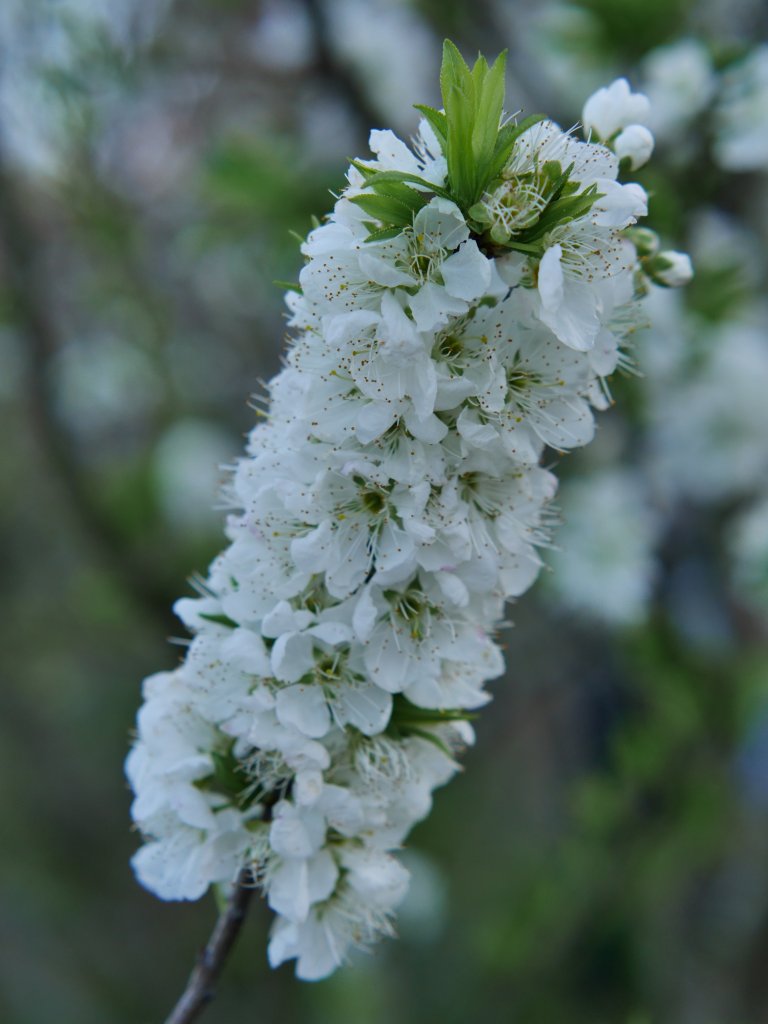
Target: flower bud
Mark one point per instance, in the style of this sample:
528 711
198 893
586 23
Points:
609 110
669 268
634 144
645 241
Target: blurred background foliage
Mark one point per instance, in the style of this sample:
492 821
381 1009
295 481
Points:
604 859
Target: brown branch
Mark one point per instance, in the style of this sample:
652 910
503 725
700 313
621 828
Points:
31 309
200 988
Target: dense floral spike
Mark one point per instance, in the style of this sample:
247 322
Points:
458 312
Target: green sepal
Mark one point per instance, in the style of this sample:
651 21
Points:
219 618
431 738
382 234
561 211
227 775
405 713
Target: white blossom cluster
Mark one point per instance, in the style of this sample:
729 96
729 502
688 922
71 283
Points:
390 502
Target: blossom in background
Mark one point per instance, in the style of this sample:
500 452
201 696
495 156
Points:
679 81
457 313
748 550
709 444
742 114
604 563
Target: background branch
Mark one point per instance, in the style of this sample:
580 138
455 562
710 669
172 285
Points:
30 308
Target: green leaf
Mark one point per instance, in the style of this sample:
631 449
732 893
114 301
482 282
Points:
507 137
458 90
437 121
489 103
383 234
403 193
367 172
405 176
478 72
384 209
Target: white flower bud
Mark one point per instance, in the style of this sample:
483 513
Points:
635 144
614 107
673 269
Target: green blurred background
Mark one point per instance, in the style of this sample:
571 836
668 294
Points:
604 857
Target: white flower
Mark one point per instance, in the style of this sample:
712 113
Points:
742 115
679 81
183 864
708 442
604 561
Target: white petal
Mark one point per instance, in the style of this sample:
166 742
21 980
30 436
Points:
332 633
367 707
380 879
374 419
322 946
322 876
283 942
365 615
479 435
282 619
342 809
467 273
295 833
392 153
619 205
432 306
288 892
551 278
308 786
382 272
614 107
430 429
305 708
442 222
245 650
635 144
310 552
292 657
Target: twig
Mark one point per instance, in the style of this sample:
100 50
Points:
200 988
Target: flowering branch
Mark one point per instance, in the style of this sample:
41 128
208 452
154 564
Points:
457 315
200 988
